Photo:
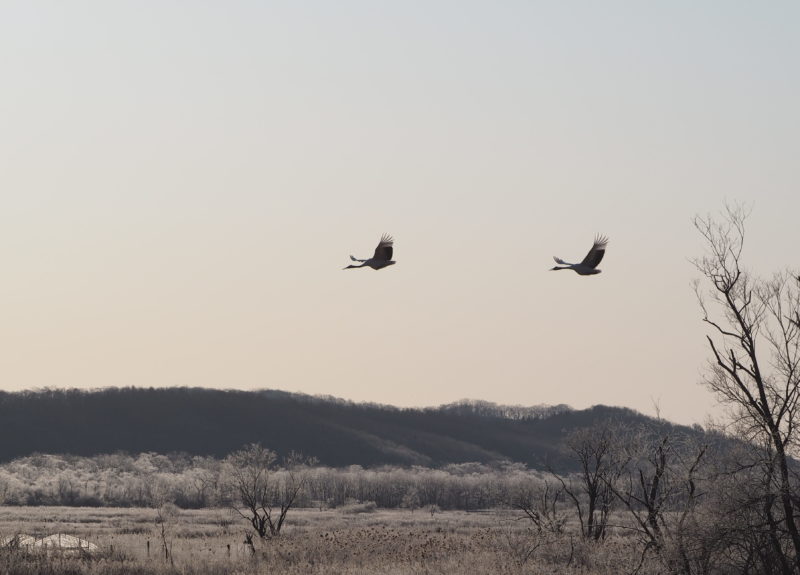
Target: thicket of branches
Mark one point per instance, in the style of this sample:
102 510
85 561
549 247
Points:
754 342
698 505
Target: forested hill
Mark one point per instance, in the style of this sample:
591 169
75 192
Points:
215 422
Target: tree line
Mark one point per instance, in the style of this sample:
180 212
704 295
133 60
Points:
150 480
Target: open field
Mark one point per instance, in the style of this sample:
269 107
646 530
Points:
335 541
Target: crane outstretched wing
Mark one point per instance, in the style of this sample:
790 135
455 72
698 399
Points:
560 261
595 255
385 248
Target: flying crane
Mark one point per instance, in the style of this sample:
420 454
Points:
382 257
589 264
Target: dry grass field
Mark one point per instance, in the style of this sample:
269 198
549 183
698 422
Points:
323 542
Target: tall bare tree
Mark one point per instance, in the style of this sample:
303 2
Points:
266 499
755 365
601 464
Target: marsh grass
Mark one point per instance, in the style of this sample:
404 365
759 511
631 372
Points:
205 542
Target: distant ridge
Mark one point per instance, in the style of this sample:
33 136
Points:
338 432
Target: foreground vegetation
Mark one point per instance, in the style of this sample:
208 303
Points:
348 541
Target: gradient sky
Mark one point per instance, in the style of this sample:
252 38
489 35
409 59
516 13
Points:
182 182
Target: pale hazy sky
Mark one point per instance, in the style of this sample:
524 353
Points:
182 182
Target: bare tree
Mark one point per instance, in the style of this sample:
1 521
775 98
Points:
659 490
540 506
742 496
601 464
266 499
755 367
166 515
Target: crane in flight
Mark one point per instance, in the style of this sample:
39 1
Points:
382 257
589 264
